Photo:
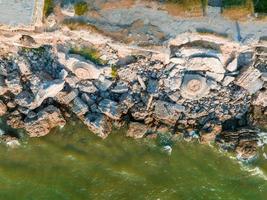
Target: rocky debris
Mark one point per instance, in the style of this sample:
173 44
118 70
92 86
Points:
79 107
11 142
136 130
65 97
87 86
243 141
47 119
205 86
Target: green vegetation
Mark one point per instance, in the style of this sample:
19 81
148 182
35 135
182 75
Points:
80 8
48 7
114 72
206 31
88 53
260 6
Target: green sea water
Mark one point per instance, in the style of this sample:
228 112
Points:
71 163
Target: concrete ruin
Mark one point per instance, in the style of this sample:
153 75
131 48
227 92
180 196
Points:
200 86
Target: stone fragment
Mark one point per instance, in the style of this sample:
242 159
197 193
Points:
87 86
27 40
46 90
98 124
205 64
3 108
24 67
120 88
250 80
194 86
261 99
232 66
110 109
141 82
47 119
227 80
83 70
167 112
103 84
79 107
136 130
66 98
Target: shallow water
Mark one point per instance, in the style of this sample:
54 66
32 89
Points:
71 163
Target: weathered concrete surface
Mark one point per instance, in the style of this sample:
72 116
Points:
22 13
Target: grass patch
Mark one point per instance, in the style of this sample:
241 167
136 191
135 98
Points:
206 31
48 7
185 8
80 8
88 53
114 72
73 24
237 9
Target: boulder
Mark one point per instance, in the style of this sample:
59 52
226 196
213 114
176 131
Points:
46 90
83 70
250 80
261 99
3 108
194 86
110 109
168 113
98 124
48 118
87 86
79 107
136 130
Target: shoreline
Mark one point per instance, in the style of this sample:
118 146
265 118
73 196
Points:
200 86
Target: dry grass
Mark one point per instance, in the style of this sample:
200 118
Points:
238 11
118 4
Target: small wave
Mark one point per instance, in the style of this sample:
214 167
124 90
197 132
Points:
262 139
254 171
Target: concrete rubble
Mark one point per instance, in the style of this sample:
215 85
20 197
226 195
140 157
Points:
207 83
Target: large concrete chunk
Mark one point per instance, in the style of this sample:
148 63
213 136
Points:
250 80
110 109
79 107
3 108
47 119
83 70
167 112
47 89
98 124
